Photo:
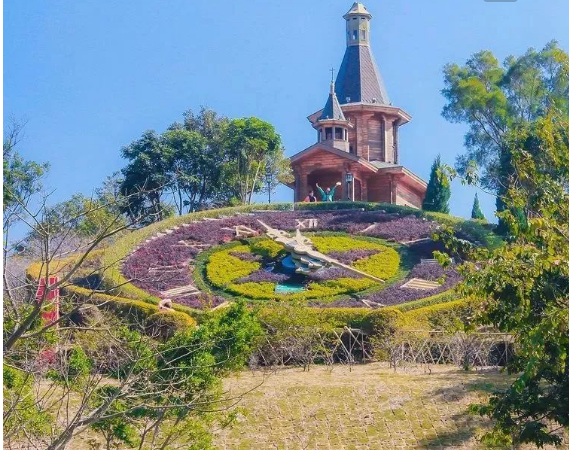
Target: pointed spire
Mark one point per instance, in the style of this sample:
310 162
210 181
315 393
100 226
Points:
332 109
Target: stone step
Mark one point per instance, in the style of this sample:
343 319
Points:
180 291
419 283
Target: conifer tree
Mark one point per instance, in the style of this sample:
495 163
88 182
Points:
438 189
476 211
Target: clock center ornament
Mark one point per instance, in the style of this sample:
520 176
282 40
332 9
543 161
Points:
305 257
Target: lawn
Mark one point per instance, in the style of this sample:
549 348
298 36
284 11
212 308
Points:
367 407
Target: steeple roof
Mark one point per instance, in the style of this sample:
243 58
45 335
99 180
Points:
359 79
332 109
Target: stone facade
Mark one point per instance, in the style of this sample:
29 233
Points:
358 132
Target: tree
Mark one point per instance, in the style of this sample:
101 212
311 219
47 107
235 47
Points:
251 144
476 211
146 177
438 189
523 287
494 100
196 169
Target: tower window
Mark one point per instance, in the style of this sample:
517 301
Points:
355 35
355 18
328 133
364 35
339 134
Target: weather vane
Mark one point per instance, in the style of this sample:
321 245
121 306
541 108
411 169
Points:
332 70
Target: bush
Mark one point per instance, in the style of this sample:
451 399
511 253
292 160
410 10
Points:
479 232
267 248
222 268
165 324
384 265
450 316
372 321
22 417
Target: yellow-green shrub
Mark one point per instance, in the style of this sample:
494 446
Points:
224 268
331 243
134 311
449 316
266 248
383 265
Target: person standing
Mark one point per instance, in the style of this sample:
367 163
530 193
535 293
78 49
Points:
311 197
328 195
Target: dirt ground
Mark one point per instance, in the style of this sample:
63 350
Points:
367 407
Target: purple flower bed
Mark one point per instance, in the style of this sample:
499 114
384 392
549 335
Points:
332 274
430 272
403 229
262 275
201 301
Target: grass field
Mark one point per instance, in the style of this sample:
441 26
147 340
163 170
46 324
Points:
369 407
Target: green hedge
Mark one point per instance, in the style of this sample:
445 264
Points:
373 321
450 316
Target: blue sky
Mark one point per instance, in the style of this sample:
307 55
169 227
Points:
91 76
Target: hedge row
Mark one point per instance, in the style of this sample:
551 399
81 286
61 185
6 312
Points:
449 316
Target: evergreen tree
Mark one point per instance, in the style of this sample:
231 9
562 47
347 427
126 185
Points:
476 211
438 190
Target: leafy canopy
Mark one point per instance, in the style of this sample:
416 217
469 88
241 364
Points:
524 286
493 99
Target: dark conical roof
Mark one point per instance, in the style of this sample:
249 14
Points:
359 78
332 109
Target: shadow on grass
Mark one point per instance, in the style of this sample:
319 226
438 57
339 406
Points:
465 431
484 382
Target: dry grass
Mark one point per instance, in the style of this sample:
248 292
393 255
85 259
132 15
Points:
369 407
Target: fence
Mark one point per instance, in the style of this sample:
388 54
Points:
437 347
349 346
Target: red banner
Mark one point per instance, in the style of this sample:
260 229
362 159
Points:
51 310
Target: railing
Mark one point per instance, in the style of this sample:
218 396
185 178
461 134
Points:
468 350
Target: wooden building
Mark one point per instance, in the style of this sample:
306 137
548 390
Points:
357 132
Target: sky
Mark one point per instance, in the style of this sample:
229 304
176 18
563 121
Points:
89 77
